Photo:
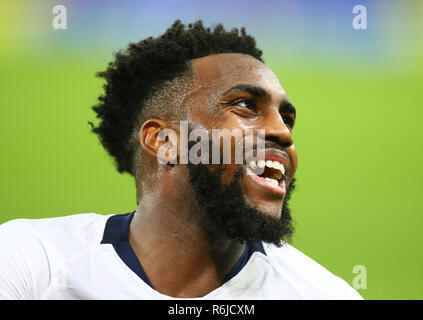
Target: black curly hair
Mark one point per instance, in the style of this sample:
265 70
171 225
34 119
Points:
143 68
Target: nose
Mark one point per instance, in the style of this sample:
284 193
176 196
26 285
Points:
276 130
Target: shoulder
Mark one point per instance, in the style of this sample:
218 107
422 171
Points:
32 250
81 228
307 275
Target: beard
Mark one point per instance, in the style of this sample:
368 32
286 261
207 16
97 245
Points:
228 213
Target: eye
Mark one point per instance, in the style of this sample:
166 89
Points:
289 121
245 103
243 107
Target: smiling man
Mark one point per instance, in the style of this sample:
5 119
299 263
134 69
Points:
213 229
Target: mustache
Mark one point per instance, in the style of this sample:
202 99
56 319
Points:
269 142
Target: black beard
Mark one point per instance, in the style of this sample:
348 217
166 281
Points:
227 212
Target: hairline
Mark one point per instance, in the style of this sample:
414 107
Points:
189 74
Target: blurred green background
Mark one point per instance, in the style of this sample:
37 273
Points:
358 131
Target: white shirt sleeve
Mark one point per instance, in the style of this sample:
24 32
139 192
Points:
24 265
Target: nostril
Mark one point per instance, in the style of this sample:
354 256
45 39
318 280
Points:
282 136
287 143
281 143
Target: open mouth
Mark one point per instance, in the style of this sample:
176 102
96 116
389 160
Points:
269 173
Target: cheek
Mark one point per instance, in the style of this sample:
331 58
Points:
226 173
229 174
222 119
293 161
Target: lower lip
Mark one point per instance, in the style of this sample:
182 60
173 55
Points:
280 189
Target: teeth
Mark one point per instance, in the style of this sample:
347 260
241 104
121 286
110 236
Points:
252 164
272 181
275 165
261 164
279 166
268 163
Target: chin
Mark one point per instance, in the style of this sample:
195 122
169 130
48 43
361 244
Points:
271 210
243 210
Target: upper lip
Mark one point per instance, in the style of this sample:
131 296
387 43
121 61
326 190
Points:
271 154
276 155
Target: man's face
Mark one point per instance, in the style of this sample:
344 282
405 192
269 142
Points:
235 91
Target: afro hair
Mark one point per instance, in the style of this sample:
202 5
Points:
147 64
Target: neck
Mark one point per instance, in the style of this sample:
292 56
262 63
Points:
167 236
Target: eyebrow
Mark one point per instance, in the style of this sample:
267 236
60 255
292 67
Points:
257 92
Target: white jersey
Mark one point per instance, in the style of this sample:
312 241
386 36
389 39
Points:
88 256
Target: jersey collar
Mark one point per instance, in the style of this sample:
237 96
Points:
116 233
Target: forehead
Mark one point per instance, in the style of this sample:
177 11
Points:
220 72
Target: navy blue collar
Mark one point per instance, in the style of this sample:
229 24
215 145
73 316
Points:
116 233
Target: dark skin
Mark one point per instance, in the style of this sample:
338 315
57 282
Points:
179 258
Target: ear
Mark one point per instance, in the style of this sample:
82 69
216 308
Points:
160 139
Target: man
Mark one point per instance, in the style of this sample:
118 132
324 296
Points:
210 229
